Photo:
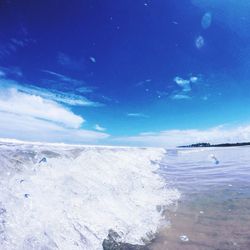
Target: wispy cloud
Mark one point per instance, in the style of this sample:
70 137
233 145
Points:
137 115
66 82
62 97
170 138
13 45
184 84
144 82
29 116
180 97
10 72
53 95
63 78
99 128
72 93
161 93
14 40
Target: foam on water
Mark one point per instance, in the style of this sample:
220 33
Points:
72 200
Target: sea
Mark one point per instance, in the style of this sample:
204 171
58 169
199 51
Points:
58 196
214 209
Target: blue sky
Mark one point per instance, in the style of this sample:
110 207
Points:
125 72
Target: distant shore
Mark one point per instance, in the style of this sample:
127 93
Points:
206 145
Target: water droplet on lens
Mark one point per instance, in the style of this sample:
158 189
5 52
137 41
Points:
206 20
199 42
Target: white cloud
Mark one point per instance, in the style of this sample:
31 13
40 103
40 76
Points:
99 128
24 127
180 97
137 115
31 113
194 79
170 138
32 117
184 84
15 102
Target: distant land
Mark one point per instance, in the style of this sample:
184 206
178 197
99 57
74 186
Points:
206 145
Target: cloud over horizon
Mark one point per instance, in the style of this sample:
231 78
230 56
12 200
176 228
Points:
32 113
175 137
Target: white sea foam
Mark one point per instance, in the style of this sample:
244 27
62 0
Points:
72 200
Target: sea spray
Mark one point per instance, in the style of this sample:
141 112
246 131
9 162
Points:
78 195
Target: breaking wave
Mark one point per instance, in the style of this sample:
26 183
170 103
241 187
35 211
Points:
65 197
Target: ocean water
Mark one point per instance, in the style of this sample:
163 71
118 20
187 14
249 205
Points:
214 209
70 197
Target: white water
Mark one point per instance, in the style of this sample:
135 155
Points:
78 195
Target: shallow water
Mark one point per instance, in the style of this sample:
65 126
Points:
214 210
